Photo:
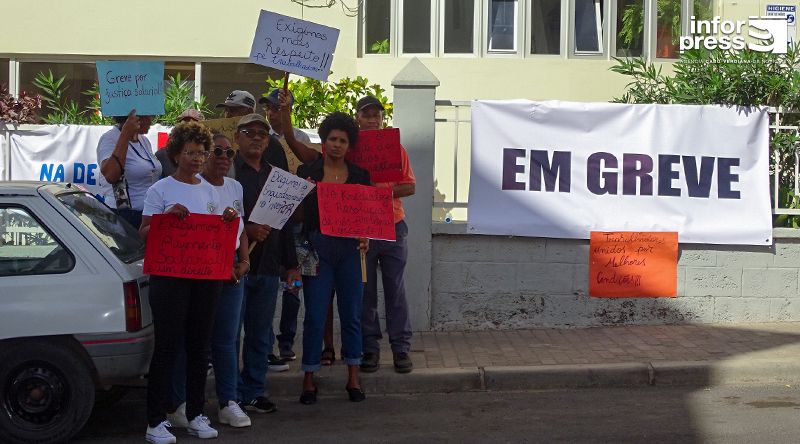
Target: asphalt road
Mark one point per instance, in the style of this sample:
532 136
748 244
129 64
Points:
767 414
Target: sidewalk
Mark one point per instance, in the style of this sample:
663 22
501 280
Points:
700 355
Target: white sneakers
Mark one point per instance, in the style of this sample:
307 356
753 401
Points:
159 434
178 417
233 415
200 427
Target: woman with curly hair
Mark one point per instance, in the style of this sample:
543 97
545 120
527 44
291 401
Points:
183 309
339 261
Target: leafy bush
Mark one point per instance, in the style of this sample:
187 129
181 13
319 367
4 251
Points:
735 78
313 99
20 110
178 97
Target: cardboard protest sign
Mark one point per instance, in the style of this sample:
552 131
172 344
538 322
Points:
378 151
127 85
633 264
294 45
226 127
280 197
355 211
198 247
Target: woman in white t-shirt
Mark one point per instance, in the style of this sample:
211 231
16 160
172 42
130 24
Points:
227 320
183 309
124 152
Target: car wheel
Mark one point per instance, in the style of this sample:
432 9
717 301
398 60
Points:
46 391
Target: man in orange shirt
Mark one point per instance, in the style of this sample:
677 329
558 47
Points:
392 259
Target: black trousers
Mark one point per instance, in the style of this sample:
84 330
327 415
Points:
183 316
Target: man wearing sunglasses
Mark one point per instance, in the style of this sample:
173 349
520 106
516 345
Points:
274 252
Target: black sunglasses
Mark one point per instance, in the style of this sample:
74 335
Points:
229 152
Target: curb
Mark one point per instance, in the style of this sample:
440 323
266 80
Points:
539 377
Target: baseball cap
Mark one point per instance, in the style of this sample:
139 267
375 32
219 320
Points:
239 98
368 101
272 98
191 114
253 118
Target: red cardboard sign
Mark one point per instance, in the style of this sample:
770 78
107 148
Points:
378 151
198 247
355 211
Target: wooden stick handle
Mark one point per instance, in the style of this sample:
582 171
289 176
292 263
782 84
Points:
363 267
286 82
252 246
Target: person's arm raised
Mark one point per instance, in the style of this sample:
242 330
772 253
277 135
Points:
300 149
113 167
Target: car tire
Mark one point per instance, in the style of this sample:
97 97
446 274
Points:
46 391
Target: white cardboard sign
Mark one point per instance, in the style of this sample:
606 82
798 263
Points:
280 197
294 45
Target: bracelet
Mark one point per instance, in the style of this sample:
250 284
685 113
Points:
245 261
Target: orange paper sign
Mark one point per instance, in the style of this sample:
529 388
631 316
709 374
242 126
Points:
633 264
198 247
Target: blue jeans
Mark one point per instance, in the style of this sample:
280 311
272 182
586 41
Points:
258 310
340 269
224 349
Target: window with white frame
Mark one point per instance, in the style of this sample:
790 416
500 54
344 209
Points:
630 28
502 29
668 28
545 26
588 26
458 25
377 26
417 18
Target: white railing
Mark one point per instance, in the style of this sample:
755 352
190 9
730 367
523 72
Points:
451 168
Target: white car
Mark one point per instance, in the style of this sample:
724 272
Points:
74 312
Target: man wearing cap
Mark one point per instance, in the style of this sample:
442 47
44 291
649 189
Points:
273 253
238 104
392 258
168 167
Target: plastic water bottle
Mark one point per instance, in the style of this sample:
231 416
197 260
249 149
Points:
285 286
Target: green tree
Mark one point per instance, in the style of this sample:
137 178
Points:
313 99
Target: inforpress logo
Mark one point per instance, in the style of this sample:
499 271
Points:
771 32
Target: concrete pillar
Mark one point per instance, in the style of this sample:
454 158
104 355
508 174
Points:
414 102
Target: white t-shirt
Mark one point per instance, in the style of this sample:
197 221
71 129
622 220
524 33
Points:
142 168
230 195
201 198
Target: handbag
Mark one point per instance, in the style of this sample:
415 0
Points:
120 188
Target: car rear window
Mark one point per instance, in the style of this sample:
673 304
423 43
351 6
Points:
117 234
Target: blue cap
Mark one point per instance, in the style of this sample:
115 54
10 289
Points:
272 98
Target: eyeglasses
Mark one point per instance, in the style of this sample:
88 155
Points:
197 154
220 150
253 133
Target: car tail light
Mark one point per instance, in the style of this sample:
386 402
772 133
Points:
133 306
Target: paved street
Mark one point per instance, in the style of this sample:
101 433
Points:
650 414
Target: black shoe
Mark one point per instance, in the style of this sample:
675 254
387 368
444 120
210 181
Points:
275 364
308 397
355 394
402 363
369 363
288 355
259 404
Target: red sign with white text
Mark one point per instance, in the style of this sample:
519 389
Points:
355 211
378 151
198 247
